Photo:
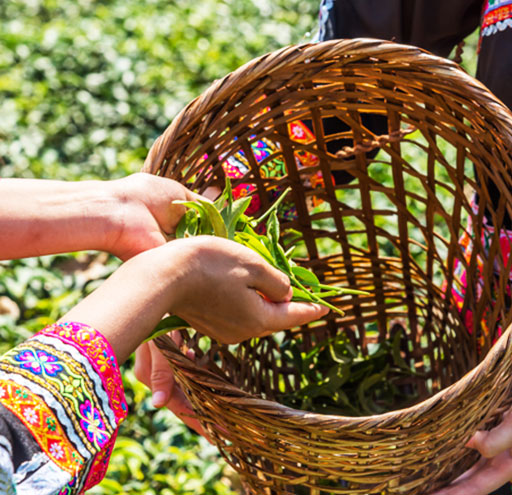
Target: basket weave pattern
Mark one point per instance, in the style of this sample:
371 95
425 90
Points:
391 223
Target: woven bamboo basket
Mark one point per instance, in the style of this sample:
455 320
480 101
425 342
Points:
394 204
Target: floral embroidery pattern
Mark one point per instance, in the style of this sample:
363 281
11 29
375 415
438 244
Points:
497 17
42 423
93 425
56 450
100 463
70 488
72 389
30 415
39 362
271 165
97 349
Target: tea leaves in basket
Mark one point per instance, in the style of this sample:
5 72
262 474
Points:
338 379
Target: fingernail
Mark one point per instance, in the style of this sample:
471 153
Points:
289 296
159 398
323 309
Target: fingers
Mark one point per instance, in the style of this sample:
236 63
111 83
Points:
280 316
152 369
269 281
166 392
180 406
142 365
493 442
162 377
489 476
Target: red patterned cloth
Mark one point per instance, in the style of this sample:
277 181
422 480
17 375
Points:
61 403
497 16
460 285
268 156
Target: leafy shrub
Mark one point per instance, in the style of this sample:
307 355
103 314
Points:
85 88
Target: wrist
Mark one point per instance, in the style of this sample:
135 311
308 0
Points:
96 219
138 220
114 203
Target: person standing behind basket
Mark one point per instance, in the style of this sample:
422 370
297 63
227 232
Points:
61 393
438 26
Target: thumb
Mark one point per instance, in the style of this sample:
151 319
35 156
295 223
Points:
291 314
269 281
161 377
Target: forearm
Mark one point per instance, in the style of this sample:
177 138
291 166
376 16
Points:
129 304
40 217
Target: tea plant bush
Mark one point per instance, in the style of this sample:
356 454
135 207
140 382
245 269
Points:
85 88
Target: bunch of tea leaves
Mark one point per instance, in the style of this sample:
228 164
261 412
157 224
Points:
226 218
338 379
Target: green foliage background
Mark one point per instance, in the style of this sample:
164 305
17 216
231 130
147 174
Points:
85 88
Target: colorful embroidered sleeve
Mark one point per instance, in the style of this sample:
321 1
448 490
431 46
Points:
61 402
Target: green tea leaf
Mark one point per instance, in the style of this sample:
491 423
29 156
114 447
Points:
273 227
305 276
168 324
273 208
237 212
255 244
301 295
216 220
343 290
397 356
367 404
204 224
225 197
188 225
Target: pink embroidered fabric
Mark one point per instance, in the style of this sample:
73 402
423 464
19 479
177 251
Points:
61 392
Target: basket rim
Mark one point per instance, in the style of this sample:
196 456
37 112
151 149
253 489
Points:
262 67
287 413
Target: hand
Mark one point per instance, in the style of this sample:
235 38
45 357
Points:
152 369
143 214
494 469
221 283
212 283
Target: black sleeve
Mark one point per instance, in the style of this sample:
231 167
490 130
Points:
495 62
17 447
434 25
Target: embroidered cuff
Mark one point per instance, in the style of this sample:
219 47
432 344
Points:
65 387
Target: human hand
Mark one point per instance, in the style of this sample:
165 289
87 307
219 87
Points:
153 370
144 215
494 468
221 287
214 284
